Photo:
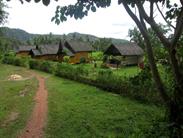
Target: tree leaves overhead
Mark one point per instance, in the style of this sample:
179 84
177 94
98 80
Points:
79 10
3 13
46 2
37 1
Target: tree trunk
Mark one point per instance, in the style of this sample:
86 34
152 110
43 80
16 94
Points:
176 118
155 73
175 67
176 107
174 104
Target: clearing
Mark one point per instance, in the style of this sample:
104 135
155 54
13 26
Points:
74 109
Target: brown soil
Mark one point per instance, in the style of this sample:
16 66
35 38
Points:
36 123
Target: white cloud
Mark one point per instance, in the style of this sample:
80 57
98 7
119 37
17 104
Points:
36 18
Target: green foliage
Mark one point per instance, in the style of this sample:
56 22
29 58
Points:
71 72
102 44
97 56
7 44
3 13
79 10
104 66
34 64
10 58
46 66
160 53
16 34
82 60
139 87
66 59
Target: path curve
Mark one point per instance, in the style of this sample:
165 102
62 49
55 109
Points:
37 122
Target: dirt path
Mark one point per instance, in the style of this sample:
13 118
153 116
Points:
36 123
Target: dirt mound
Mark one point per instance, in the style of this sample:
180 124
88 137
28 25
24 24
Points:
15 77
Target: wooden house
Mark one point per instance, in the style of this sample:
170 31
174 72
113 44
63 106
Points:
23 50
124 54
77 50
48 52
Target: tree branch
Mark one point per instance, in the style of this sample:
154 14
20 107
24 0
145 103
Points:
154 70
164 17
181 1
153 24
151 9
178 29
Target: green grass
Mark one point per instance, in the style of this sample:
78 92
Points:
78 110
127 71
14 108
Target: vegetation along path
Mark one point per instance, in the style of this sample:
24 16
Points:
36 123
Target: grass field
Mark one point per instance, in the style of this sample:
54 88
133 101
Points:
74 109
78 110
128 71
16 101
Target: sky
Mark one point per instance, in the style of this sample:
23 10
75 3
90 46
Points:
36 18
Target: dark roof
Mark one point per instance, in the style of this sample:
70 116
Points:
78 46
24 48
67 51
68 47
127 49
46 50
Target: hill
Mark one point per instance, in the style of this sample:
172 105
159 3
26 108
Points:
17 34
24 36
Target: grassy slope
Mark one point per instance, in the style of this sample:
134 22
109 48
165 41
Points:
78 110
12 103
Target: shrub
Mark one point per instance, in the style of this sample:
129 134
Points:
34 64
105 57
47 66
66 59
104 66
82 60
8 60
81 71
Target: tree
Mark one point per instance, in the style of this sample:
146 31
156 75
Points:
3 13
159 52
174 11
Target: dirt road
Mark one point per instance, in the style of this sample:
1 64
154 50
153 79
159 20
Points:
37 122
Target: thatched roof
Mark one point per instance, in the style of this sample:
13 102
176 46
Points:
68 47
24 48
46 50
67 51
128 49
78 46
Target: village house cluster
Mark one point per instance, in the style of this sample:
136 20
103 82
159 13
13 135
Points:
125 54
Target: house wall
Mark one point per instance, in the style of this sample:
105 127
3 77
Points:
132 60
47 57
50 57
23 53
76 58
60 58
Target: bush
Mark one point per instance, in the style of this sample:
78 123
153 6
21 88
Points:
8 60
104 66
47 67
82 60
66 59
34 64
105 57
70 71
140 87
